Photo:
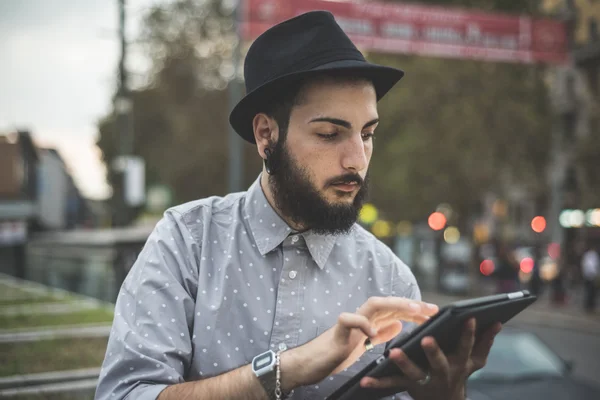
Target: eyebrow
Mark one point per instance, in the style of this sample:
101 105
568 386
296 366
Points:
341 122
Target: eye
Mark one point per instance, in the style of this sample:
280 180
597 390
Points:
329 136
368 135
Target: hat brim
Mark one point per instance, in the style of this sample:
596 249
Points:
383 78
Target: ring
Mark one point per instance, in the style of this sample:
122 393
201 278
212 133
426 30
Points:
368 344
425 380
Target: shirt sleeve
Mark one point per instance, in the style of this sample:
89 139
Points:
149 346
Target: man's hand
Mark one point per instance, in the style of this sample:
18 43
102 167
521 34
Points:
448 374
340 346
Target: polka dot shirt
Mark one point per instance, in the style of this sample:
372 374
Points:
221 280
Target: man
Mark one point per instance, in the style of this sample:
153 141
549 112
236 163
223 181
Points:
281 275
590 270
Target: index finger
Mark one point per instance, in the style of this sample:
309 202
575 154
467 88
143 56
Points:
400 307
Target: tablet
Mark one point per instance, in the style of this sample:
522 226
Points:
446 327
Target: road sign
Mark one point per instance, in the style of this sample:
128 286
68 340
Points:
424 30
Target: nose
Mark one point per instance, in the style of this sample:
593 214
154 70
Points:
354 154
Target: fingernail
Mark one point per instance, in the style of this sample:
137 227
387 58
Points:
415 306
374 332
431 306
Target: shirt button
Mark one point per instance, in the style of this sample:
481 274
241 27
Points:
282 347
292 274
294 239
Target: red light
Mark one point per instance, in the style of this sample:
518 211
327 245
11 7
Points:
527 265
487 267
554 250
437 221
538 224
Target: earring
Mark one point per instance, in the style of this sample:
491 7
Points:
268 160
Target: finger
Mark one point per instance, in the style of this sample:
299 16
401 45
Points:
467 340
388 332
438 361
411 370
399 308
482 348
349 321
385 382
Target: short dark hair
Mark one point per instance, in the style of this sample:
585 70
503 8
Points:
280 106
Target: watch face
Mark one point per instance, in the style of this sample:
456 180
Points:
262 361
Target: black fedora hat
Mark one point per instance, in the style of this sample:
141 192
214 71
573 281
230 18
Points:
295 49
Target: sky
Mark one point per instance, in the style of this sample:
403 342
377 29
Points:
58 74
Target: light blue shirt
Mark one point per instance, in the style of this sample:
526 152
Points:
221 280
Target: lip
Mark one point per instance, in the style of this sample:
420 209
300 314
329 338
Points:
345 187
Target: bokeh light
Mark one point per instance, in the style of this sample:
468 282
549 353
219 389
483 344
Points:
538 224
487 267
437 221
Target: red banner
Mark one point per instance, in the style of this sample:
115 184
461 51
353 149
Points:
424 30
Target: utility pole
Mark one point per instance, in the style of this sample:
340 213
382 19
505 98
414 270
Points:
236 149
124 127
123 103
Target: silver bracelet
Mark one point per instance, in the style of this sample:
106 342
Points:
279 395
277 377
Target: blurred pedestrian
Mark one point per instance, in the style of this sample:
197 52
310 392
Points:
535 284
590 272
507 270
259 294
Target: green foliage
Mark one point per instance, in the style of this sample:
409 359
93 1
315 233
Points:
454 129
180 118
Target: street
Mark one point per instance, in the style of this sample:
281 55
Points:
580 347
573 335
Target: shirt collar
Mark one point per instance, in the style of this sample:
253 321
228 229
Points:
269 230
267 227
319 246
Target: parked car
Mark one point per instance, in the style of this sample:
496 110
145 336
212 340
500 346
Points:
520 366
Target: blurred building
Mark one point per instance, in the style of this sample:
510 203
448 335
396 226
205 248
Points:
583 18
37 193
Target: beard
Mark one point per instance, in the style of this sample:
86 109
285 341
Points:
298 199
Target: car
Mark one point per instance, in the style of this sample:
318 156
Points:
520 366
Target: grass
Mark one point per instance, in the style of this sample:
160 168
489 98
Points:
37 320
51 355
10 295
33 300
9 291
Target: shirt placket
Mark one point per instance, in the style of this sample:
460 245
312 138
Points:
286 324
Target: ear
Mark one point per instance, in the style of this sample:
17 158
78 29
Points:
266 131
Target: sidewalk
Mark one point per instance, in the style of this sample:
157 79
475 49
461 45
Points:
541 313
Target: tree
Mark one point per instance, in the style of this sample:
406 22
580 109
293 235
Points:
456 129
180 117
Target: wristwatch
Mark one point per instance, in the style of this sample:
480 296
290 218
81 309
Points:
263 366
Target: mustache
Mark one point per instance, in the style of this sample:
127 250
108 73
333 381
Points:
346 178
